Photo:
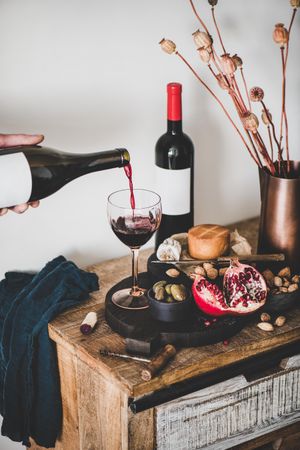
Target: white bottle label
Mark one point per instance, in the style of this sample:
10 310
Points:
174 187
15 180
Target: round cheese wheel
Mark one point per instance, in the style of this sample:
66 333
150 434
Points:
208 241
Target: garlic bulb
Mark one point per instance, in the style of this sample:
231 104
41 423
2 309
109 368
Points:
169 250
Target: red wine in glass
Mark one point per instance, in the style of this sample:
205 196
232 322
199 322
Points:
134 227
134 231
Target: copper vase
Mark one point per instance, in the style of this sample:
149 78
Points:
279 229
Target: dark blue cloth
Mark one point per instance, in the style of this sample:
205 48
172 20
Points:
30 401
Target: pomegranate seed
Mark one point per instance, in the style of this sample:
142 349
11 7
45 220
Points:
226 342
207 323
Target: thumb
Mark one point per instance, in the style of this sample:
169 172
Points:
12 140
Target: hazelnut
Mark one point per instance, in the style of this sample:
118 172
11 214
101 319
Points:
212 273
199 270
265 317
296 279
222 271
293 287
208 266
277 281
283 289
280 321
286 282
285 272
265 326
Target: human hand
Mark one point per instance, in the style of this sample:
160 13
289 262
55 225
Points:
13 140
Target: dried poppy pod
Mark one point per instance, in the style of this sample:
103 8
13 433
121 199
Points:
256 94
213 2
266 117
202 39
168 46
238 62
250 121
295 3
204 54
228 65
280 34
222 82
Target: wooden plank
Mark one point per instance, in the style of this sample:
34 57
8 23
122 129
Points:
142 430
67 364
292 433
102 411
219 417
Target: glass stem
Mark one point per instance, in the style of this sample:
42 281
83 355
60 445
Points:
135 290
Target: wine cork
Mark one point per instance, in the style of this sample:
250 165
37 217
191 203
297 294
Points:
88 323
158 362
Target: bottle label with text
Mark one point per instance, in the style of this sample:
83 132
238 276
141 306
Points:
15 180
174 187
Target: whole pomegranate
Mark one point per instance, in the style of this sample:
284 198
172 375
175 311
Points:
244 291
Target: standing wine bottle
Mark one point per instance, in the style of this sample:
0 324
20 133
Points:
174 159
29 173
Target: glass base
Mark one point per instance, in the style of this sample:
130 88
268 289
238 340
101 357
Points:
124 299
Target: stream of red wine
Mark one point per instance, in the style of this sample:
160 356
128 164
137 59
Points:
128 172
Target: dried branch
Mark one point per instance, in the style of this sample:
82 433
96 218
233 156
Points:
217 28
220 103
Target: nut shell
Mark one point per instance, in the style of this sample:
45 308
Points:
296 279
285 272
293 287
280 321
212 273
265 317
199 270
173 273
277 281
265 326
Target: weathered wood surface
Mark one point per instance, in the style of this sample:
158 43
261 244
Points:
231 412
289 435
188 362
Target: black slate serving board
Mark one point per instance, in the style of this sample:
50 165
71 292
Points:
140 326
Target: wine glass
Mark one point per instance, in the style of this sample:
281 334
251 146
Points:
134 227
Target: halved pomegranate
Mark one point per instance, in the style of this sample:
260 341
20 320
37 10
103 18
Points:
244 291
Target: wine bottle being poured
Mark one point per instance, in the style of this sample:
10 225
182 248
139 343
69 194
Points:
29 173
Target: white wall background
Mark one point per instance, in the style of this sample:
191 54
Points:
90 75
